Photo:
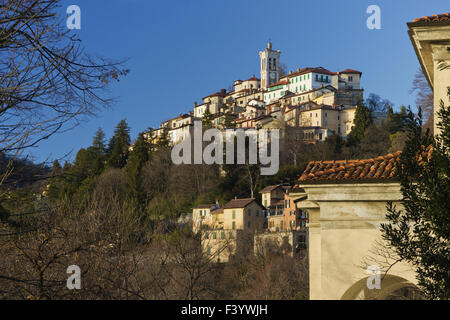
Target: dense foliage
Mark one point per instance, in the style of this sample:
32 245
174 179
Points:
420 230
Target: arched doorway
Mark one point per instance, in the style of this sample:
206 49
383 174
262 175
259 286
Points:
392 288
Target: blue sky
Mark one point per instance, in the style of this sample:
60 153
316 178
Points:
181 51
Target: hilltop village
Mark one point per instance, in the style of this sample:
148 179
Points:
313 101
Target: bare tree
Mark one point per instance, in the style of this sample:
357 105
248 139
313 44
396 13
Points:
424 94
47 82
283 69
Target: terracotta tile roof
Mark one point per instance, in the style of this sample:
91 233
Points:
350 71
308 70
279 83
217 94
425 153
270 188
434 18
381 168
238 203
253 78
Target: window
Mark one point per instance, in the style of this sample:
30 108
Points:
265 203
214 235
234 214
249 211
230 235
326 114
208 250
257 212
350 78
233 225
222 235
248 224
316 114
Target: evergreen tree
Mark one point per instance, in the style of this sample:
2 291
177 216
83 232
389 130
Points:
136 160
164 139
420 231
207 119
98 142
362 121
55 184
119 145
56 168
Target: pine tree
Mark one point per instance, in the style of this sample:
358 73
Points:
98 142
420 231
362 121
119 145
136 160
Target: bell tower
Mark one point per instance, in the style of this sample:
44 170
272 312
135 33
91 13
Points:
270 66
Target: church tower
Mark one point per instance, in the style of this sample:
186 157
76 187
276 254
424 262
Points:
270 66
